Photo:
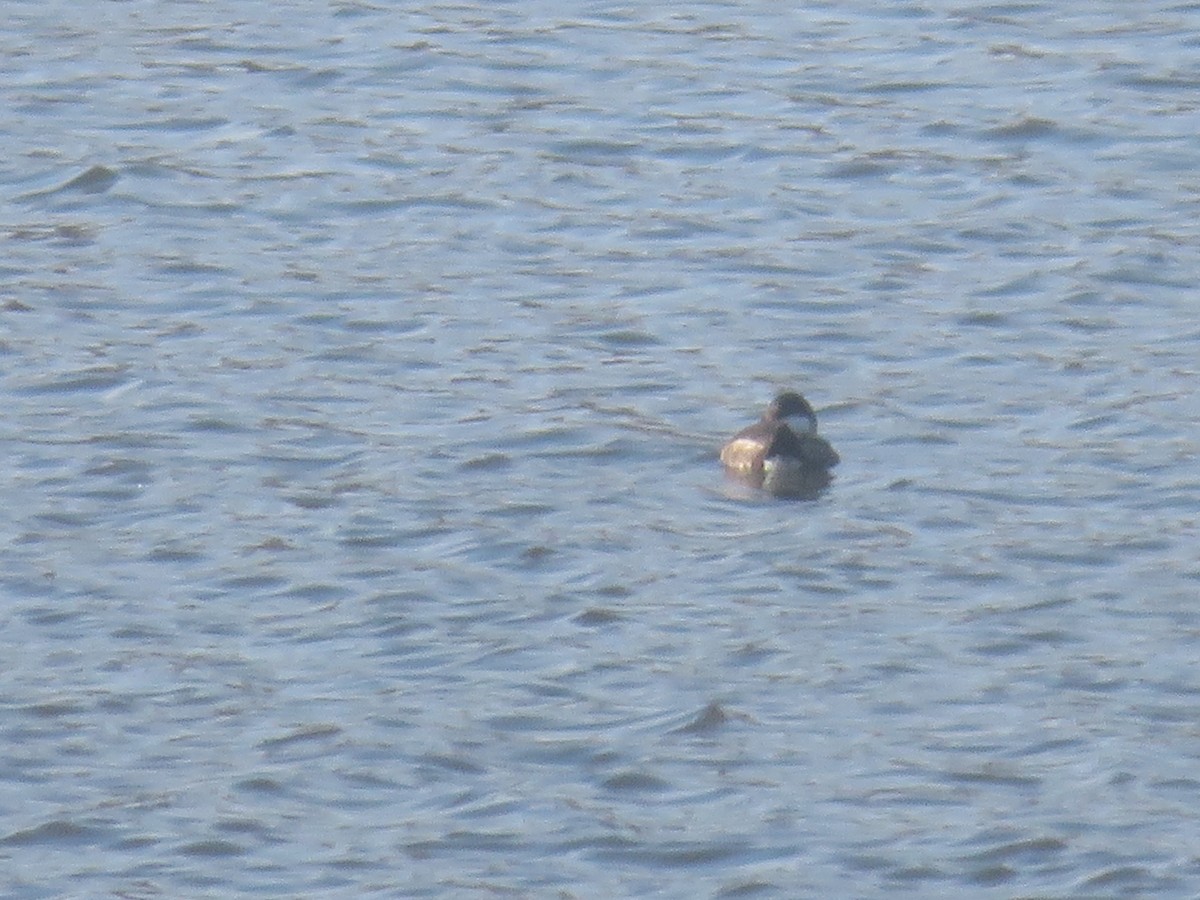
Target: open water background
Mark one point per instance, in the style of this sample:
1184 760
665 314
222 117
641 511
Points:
363 367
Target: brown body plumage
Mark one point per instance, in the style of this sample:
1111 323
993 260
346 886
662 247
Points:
782 452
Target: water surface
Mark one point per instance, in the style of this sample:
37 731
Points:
363 371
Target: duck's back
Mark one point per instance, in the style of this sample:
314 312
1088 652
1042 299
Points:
748 448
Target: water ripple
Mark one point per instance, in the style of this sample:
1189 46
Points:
364 378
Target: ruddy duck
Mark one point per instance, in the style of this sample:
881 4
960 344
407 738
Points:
782 452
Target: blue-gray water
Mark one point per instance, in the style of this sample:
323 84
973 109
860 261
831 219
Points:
362 371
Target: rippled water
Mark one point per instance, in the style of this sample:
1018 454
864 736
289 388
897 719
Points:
363 371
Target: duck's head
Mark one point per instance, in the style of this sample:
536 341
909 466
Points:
793 410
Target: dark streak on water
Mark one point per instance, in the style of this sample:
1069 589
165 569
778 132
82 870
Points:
363 371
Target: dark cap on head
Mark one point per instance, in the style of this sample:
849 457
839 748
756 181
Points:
786 404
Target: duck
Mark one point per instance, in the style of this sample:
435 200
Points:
782 453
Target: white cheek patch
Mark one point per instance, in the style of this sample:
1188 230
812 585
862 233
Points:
802 424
